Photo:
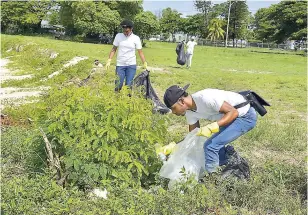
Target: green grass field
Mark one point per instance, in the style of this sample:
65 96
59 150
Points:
275 149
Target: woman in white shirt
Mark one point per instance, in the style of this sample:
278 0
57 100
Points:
126 43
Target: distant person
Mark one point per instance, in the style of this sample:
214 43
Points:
190 51
97 63
127 43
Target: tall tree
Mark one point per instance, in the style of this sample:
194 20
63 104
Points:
282 21
126 9
66 17
239 16
23 16
192 25
146 24
215 29
92 18
219 10
205 8
170 21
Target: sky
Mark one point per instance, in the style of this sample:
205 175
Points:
187 7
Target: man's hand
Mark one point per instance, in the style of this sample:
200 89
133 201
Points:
208 130
145 65
166 150
108 64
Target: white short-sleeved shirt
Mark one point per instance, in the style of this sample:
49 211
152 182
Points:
127 46
209 102
190 47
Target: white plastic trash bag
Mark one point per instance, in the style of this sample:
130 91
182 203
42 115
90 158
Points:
188 154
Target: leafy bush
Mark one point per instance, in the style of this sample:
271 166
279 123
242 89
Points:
103 137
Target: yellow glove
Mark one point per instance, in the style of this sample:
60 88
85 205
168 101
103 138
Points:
108 64
145 65
208 130
166 150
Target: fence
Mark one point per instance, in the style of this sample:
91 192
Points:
301 45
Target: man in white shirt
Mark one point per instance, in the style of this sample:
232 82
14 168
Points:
126 43
190 51
215 105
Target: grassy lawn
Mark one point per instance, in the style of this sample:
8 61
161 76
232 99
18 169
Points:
276 148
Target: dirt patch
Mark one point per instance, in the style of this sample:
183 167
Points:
302 115
247 71
8 121
72 62
7 74
260 155
156 70
15 96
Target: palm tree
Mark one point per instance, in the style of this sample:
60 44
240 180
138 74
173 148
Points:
215 30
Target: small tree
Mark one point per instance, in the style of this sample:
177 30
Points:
215 29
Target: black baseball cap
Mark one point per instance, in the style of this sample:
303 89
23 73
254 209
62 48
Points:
127 23
173 94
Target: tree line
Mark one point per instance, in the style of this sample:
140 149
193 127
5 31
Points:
279 22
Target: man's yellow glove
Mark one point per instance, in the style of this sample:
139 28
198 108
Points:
145 65
108 64
208 130
166 150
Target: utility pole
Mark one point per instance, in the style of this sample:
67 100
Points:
226 44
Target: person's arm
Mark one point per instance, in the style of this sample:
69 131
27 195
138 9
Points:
112 52
230 114
140 52
192 127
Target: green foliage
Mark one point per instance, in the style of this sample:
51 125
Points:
205 7
146 24
193 25
17 16
275 149
102 136
135 7
66 17
21 152
285 20
219 10
271 189
215 29
40 195
94 18
170 21
239 16
91 18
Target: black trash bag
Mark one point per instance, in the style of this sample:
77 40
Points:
143 79
236 165
180 51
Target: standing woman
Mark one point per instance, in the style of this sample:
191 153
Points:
127 43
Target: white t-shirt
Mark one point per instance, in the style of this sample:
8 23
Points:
190 47
126 48
209 102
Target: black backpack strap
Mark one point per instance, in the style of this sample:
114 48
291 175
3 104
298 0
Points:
241 105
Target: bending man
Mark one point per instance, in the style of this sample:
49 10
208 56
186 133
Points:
218 106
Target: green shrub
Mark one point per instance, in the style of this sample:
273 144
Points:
103 137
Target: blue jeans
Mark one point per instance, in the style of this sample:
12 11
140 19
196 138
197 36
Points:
214 147
127 73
